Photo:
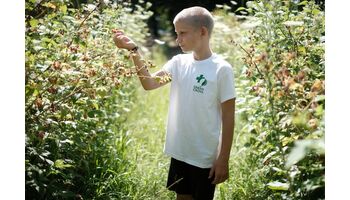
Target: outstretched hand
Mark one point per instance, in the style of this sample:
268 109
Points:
122 41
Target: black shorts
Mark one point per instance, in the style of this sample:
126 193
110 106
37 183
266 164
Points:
187 179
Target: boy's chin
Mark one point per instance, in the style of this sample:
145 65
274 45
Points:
186 50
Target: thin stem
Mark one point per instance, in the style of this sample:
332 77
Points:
77 31
251 57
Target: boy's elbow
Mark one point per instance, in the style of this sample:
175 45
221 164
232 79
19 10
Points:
147 88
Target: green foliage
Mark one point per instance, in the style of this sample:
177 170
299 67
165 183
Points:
78 93
280 105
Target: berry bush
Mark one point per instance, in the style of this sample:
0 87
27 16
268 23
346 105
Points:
78 93
277 49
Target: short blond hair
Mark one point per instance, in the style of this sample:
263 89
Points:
196 16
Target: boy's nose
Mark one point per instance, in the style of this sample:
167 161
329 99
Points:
178 40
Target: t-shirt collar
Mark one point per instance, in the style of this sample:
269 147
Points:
202 61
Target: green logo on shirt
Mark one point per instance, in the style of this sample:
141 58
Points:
202 81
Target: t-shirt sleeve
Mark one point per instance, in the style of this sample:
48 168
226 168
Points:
226 84
170 67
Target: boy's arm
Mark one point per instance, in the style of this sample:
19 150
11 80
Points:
148 80
220 168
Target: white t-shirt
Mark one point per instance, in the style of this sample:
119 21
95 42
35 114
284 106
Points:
194 121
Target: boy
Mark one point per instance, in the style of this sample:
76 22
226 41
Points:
202 99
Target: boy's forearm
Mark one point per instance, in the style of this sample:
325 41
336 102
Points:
145 77
228 120
226 142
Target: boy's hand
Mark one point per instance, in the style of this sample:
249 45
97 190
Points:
219 170
122 41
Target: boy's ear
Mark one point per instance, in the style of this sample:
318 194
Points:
204 31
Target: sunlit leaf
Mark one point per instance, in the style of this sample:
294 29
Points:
34 23
276 185
126 109
49 5
302 148
63 8
293 23
303 3
66 141
61 164
233 2
240 9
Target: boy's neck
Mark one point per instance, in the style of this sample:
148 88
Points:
202 53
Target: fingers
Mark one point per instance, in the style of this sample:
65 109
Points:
116 31
119 35
125 39
219 179
121 40
220 175
211 173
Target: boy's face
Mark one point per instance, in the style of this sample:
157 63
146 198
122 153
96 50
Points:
188 37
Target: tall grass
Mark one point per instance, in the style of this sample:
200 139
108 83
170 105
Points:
147 126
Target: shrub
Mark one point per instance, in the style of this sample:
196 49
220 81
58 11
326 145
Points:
280 105
77 95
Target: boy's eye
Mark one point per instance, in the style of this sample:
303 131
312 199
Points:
180 33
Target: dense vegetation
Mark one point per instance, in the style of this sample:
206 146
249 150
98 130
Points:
278 56
78 92
89 129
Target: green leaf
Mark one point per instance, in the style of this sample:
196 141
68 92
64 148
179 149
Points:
101 91
67 194
61 165
95 113
241 8
49 5
126 109
276 185
303 3
65 109
315 12
81 101
66 141
49 161
320 98
233 2
269 156
33 23
63 8
49 41
319 111
95 105
260 14
302 148
300 119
